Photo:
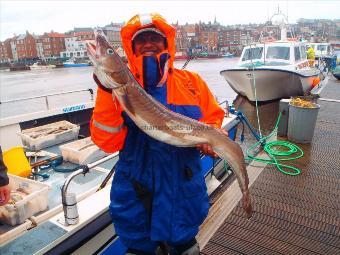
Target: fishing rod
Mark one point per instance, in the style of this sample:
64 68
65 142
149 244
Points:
193 56
108 177
45 162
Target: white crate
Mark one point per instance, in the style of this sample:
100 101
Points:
47 135
82 152
33 199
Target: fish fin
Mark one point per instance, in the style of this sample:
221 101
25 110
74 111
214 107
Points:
179 127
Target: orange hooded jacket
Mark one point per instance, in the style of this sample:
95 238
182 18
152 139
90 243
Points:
183 88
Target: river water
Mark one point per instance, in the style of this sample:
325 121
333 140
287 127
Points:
22 84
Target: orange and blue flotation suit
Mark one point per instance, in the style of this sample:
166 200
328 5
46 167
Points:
169 176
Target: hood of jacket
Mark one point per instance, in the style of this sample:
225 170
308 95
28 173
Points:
137 23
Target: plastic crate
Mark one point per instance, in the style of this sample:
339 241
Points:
82 151
28 197
47 135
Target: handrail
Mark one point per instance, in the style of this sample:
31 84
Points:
70 210
52 94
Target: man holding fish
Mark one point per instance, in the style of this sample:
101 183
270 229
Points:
157 116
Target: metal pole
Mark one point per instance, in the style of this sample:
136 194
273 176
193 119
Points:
69 202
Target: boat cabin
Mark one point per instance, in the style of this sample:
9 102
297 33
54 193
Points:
284 54
321 49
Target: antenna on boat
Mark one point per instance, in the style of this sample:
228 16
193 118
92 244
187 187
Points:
279 19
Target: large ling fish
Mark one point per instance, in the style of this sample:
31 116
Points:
158 121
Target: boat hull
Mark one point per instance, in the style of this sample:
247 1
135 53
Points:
75 64
271 84
336 72
42 67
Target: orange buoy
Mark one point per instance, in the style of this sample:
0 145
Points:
316 81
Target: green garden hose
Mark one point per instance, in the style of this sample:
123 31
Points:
278 151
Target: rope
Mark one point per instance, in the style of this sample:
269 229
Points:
257 109
278 151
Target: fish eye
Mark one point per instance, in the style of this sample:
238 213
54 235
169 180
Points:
109 51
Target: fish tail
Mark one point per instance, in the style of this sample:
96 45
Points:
232 153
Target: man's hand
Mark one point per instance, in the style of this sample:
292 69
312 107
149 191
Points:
95 78
4 194
207 149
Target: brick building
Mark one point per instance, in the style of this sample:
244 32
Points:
112 33
6 51
25 47
53 43
208 36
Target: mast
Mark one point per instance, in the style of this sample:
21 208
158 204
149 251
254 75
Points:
279 19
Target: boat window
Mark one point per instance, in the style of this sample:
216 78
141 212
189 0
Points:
297 53
303 52
322 48
252 53
278 52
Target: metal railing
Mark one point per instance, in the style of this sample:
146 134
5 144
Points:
69 199
47 96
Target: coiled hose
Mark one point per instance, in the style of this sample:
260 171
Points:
278 151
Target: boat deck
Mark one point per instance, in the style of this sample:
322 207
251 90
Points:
293 215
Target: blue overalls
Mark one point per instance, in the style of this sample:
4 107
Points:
172 176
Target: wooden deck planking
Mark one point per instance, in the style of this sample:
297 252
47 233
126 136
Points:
292 214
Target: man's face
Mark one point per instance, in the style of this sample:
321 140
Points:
148 44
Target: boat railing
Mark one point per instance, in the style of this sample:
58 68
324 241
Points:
49 95
49 106
69 202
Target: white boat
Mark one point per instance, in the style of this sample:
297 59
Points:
54 230
273 70
228 55
37 66
321 49
74 63
270 71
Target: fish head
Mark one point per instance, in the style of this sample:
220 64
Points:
109 67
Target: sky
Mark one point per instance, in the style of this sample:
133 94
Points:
38 17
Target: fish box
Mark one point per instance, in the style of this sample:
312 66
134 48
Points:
27 198
38 138
82 151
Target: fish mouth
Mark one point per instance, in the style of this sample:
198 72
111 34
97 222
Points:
91 50
106 65
92 53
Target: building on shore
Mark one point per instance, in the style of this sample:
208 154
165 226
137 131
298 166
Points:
6 54
53 43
